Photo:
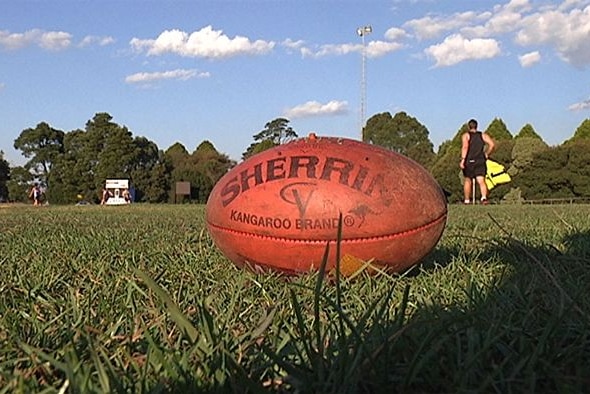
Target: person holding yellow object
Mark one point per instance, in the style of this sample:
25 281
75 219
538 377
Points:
476 147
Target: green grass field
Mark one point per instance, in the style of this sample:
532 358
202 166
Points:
137 299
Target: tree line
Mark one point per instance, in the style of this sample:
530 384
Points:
75 164
538 171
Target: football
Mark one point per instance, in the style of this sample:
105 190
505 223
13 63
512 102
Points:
279 209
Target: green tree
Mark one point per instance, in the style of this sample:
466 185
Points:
402 134
202 168
523 152
73 171
41 145
4 177
19 184
498 131
158 188
211 166
177 154
275 132
106 150
147 171
445 167
578 167
114 150
581 133
179 159
504 143
528 131
557 172
503 152
448 174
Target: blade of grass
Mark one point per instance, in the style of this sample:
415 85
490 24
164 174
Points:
175 313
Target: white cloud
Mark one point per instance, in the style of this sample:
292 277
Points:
181 74
456 48
50 40
17 40
381 48
395 33
331 50
55 40
101 41
2 85
314 108
563 26
289 43
583 105
430 27
373 49
529 59
207 43
567 32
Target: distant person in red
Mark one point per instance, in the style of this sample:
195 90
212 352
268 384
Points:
473 160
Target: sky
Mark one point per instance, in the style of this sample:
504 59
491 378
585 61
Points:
219 70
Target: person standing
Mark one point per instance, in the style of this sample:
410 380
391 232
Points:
476 147
35 194
106 194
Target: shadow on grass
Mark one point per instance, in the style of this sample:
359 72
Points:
526 330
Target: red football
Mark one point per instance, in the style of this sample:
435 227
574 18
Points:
280 208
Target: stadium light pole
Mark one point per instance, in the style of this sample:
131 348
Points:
362 32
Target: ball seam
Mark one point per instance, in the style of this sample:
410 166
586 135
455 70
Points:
344 240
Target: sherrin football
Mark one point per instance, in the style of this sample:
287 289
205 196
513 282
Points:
279 209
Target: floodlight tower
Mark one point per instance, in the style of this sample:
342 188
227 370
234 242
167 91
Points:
362 32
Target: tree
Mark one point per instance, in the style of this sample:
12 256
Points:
157 190
202 168
558 172
498 131
42 145
147 171
578 167
448 174
528 131
211 166
402 134
113 146
19 184
504 143
503 152
107 150
275 132
523 152
445 167
177 153
4 177
72 171
581 133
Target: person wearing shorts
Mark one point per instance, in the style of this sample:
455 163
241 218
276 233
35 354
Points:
35 195
476 147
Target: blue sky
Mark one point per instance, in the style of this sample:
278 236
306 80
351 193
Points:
219 70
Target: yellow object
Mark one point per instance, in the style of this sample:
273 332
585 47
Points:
496 174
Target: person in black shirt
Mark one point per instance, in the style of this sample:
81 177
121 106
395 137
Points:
473 160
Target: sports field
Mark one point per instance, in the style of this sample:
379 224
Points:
137 299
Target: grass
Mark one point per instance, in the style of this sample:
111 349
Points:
137 299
